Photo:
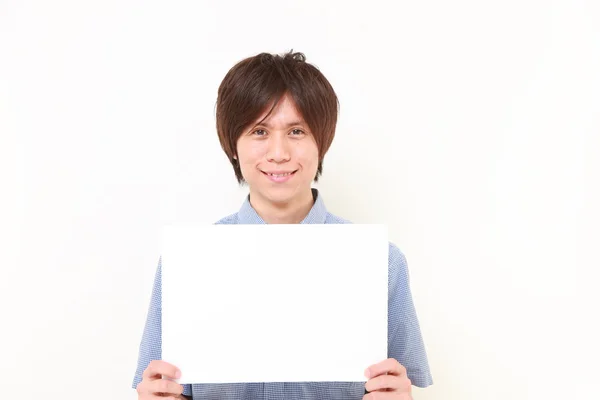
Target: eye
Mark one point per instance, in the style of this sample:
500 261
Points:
260 132
297 132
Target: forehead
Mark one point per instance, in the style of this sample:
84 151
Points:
284 113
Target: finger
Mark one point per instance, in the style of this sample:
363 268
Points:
389 383
165 387
387 396
380 396
383 382
157 368
389 366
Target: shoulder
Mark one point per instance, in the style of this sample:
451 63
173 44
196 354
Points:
396 255
228 220
398 274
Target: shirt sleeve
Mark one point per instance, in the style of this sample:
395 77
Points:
151 344
405 343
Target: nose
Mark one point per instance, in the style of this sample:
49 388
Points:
278 150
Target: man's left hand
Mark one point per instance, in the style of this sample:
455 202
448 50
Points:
387 380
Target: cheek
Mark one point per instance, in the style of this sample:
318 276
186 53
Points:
308 156
250 153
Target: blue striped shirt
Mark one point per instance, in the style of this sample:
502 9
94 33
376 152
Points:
404 336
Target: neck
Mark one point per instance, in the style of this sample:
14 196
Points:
291 212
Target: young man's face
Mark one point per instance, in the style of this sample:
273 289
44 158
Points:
279 157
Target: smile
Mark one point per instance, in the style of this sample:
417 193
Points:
279 177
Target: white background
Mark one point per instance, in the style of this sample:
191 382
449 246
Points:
472 128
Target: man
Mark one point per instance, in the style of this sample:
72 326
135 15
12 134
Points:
276 118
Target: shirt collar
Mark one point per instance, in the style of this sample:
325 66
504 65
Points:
248 215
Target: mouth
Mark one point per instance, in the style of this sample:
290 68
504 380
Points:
279 176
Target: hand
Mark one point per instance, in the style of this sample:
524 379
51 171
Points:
387 380
153 386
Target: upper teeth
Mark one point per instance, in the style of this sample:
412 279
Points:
280 175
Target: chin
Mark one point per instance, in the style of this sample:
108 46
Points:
278 196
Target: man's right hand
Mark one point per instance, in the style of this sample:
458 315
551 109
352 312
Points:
153 386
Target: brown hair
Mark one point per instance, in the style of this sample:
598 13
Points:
254 83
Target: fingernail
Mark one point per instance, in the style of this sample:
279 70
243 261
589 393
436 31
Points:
367 373
177 374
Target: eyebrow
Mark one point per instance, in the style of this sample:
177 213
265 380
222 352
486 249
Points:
287 125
